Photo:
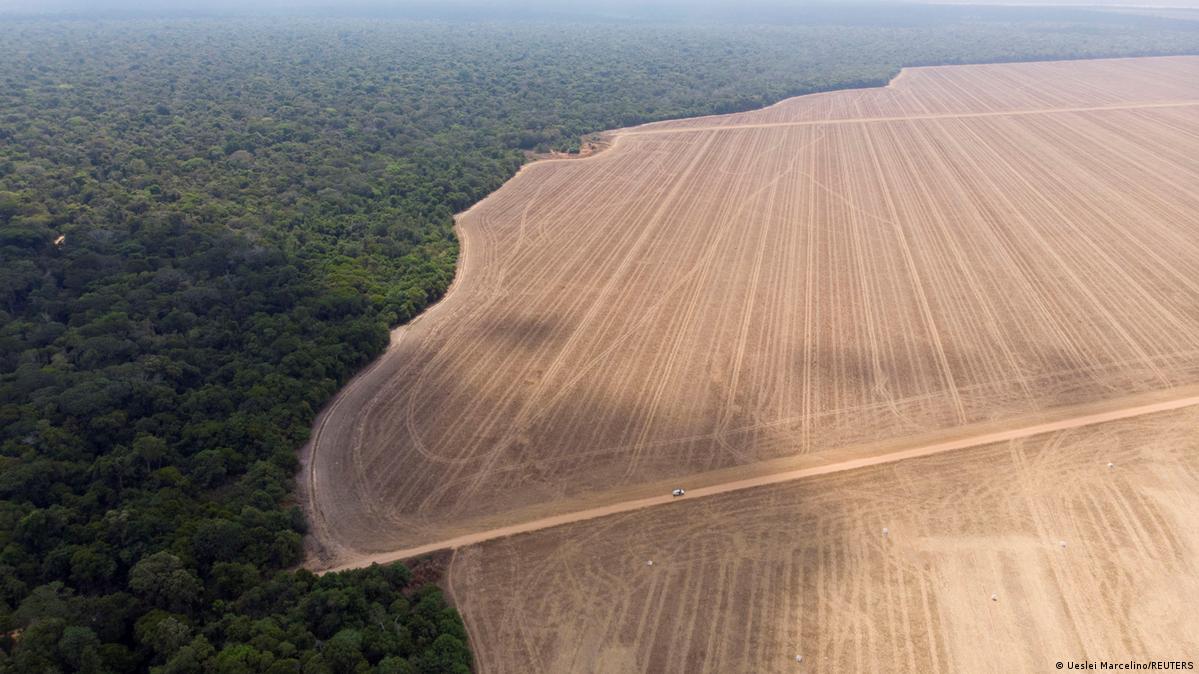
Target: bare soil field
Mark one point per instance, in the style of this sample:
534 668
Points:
1084 562
643 495
969 245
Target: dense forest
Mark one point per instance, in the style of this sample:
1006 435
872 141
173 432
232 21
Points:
206 227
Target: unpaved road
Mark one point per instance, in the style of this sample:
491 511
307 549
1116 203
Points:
745 581
1186 398
914 118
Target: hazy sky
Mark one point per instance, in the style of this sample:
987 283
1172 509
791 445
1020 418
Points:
284 5
460 7
467 8
403 6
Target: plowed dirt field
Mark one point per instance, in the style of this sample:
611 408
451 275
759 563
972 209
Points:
1085 562
968 246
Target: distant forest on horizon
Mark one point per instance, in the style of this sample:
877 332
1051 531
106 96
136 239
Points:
207 226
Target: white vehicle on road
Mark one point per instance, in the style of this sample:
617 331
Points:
677 492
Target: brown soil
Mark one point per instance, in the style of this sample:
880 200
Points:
753 476
590 145
971 245
744 582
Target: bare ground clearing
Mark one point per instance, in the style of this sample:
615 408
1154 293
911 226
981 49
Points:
745 582
804 466
831 271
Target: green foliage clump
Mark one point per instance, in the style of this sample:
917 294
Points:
290 622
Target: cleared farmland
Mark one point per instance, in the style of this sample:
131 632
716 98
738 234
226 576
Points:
1085 562
970 244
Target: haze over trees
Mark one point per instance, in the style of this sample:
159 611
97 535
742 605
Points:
206 227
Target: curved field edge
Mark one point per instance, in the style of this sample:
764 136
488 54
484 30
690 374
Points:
318 545
326 549
752 477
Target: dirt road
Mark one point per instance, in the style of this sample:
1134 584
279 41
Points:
890 568
1177 400
912 118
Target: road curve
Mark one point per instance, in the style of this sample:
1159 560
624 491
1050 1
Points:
1181 398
